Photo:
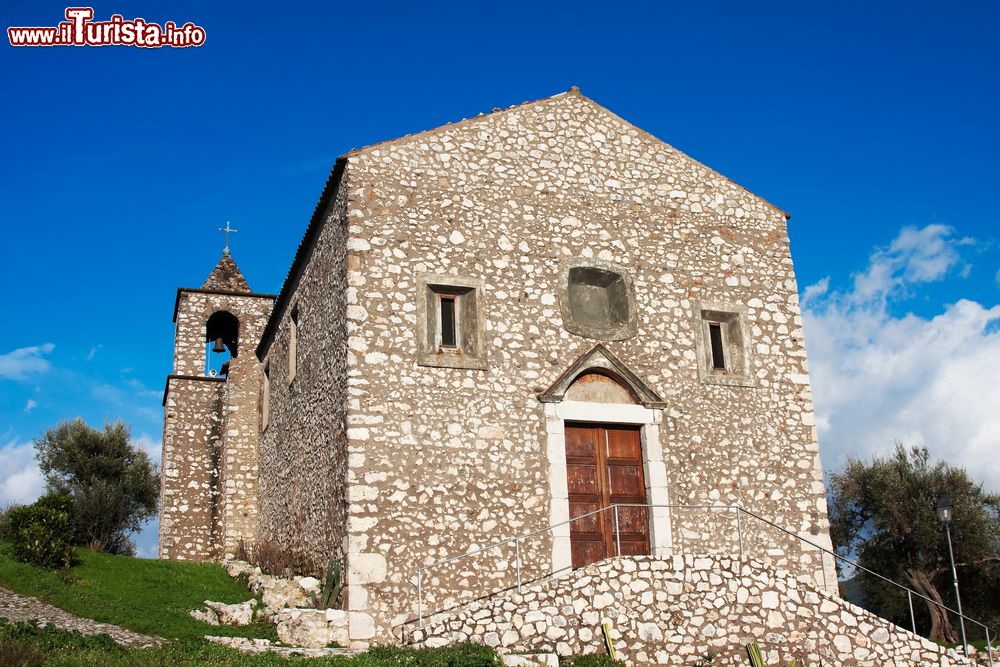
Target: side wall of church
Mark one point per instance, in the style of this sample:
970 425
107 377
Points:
209 433
443 460
303 451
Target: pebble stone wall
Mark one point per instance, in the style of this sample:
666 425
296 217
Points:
677 611
443 459
238 468
303 451
208 494
192 439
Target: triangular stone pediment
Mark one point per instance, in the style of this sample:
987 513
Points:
600 359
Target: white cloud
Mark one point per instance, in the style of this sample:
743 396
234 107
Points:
152 447
146 540
30 405
21 480
878 378
25 361
916 255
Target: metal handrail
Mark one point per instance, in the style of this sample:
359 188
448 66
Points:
739 511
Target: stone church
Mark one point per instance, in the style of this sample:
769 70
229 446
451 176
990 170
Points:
489 329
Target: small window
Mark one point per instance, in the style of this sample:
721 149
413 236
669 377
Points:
265 397
450 322
718 351
293 343
723 349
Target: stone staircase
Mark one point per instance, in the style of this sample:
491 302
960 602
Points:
683 610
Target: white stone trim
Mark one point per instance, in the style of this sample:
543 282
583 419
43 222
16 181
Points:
654 470
606 413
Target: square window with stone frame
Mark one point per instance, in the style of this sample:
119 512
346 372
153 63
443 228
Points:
723 352
449 322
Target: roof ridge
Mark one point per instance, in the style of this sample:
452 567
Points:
574 90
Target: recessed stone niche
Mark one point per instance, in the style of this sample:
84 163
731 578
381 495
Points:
598 388
597 299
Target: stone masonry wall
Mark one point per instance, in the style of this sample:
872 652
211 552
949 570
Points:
193 310
677 611
192 435
442 460
303 451
239 462
209 433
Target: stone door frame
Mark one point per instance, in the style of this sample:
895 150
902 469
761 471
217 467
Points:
654 469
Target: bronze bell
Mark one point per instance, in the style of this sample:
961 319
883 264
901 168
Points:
219 346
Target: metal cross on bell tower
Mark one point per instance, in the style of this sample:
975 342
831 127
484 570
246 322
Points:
228 230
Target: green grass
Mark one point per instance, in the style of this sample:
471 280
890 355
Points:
148 596
28 645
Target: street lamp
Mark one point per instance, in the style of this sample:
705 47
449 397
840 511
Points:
945 510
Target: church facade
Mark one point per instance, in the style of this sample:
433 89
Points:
489 329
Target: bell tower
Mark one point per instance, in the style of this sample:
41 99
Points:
208 495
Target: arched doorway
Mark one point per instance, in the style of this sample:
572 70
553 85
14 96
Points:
602 426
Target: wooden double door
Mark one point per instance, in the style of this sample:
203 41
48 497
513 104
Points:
603 468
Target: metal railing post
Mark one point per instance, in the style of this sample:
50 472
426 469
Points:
989 647
517 563
913 619
739 529
618 537
420 599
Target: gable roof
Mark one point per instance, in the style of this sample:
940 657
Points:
227 277
575 92
465 121
333 184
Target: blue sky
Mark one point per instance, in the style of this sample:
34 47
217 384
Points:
863 120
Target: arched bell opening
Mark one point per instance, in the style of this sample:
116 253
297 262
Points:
222 332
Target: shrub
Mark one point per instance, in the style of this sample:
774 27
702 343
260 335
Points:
60 502
4 534
273 558
465 654
19 652
41 534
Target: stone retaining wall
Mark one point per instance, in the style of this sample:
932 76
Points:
677 611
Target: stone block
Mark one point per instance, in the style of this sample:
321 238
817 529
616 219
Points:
232 614
361 625
365 568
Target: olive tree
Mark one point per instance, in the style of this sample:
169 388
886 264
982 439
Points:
882 512
114 485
